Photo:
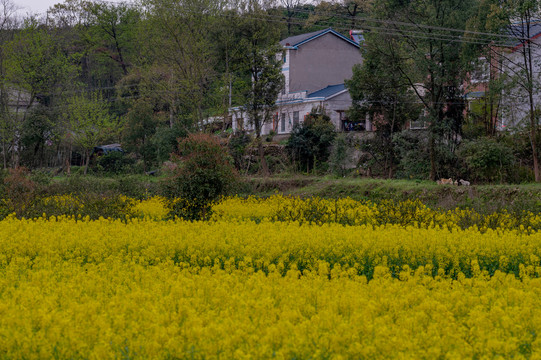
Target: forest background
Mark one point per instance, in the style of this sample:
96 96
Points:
148 73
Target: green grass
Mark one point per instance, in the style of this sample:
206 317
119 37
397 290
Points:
483 198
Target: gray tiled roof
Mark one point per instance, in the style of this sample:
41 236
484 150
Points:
294 40
303 38
328 91
521 31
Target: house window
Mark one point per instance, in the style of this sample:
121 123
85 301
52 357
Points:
347 125
240 123
283 122
419 124
295 118
481 72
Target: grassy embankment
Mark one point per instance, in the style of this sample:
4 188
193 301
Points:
482 198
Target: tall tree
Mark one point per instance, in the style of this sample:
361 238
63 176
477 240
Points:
38 70
290 7
379 89
89 123
112 31
435 67
258 51
523 65
139 128
176 38
7 25
484 27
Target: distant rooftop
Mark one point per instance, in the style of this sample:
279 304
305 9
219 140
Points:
475 95
328 91
297 40
521 31
357 36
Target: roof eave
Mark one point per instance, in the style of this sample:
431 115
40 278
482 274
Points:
295 46
338 93
515 48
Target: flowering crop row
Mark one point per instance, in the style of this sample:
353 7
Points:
347 211
147 289
275 278
289 209
118 309
274 246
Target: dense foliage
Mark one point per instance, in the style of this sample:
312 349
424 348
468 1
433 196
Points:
310 142
202 174
89 73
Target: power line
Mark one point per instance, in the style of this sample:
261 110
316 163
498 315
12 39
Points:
431 27
393 31
413 33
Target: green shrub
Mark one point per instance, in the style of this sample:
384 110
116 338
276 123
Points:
237 148
340 159
115 162
41 177
487 159
19 191
309 143
411 149
203 174
135 186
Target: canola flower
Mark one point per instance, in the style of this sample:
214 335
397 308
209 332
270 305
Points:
280 208
271 278
242 289
347 211
155 208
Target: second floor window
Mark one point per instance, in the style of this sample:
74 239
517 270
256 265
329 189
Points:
481 72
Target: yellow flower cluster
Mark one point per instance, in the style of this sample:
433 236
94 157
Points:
312 211
153 208
242 289
66 203
351 212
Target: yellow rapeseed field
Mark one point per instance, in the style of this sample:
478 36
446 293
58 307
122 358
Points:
276 278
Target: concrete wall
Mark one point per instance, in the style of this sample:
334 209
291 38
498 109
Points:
327 60
333 108
515 108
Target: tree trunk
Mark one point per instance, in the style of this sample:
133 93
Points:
262 160
391 150
533 141
432 150
533 119
87 155
4 154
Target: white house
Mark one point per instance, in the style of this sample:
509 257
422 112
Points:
507 60
315 66
515 106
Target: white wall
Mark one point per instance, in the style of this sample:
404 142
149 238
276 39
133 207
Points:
515 106
332 107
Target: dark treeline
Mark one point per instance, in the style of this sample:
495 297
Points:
89 73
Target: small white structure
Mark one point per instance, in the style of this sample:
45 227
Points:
292 108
